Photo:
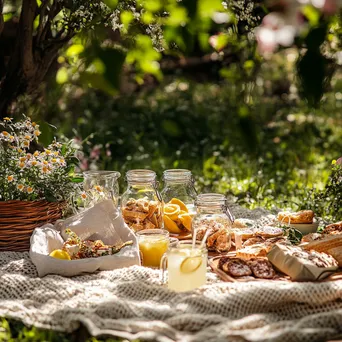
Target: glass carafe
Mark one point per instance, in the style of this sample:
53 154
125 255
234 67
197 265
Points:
214 219
100 185
141 204
179 196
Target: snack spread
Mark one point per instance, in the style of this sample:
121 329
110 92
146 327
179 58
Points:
74 248
177 219
142 214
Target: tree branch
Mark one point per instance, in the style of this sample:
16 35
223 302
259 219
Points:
42 10
26 35
53 11
1 16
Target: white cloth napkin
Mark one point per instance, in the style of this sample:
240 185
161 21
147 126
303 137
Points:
103 221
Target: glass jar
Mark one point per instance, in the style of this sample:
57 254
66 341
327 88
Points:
214 219
141 204
179 194
100 185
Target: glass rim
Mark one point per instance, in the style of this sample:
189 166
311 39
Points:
141 176
177 175
102 173
156 231
210 200
189 243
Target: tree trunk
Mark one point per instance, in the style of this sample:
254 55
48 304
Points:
1 16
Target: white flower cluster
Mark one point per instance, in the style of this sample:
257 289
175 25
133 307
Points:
29 171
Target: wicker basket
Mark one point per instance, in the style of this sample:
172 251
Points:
19 218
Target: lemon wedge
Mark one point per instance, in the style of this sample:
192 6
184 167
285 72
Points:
60 254
170 225
191 264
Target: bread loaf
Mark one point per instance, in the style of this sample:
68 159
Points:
330 244
303 216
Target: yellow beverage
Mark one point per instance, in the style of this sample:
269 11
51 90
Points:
153 243
186 266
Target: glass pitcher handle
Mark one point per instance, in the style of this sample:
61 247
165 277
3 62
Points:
163 267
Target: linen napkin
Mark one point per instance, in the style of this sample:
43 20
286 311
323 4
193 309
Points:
103 222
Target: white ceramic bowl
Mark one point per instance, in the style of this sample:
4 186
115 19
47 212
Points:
306 228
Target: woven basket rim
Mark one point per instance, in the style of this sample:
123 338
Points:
34 201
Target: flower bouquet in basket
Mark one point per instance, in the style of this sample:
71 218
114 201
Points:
36 183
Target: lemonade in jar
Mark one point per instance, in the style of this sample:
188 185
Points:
186 265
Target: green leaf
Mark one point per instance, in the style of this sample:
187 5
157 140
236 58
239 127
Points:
77 179
62 75
126 18
111 3
171 128
47 133
312 14
7 16
113 60
147 18
206 8
177 16
152 5
97 81
74 50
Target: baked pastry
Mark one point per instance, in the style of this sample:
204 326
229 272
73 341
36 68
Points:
303 216
334 228
329 244
219 238
261 268
311 237
242 223
269 232
235 267
253 241
250 252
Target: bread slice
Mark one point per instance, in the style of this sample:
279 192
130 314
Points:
303 216
330 244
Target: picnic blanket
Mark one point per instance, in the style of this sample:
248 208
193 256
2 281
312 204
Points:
131 303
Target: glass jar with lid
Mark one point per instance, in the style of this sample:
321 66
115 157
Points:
179 195
100 185
141 203
213 218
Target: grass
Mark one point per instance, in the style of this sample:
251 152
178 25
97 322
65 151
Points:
15 331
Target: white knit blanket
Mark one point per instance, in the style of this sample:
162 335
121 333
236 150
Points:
131 303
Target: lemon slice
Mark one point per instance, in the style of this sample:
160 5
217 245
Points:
172 211
181 204
60 254
191 264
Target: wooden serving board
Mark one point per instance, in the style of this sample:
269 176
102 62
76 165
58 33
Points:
213 263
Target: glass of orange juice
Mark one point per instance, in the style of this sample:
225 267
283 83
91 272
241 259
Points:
153 243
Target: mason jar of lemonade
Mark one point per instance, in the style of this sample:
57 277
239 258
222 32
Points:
179 196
